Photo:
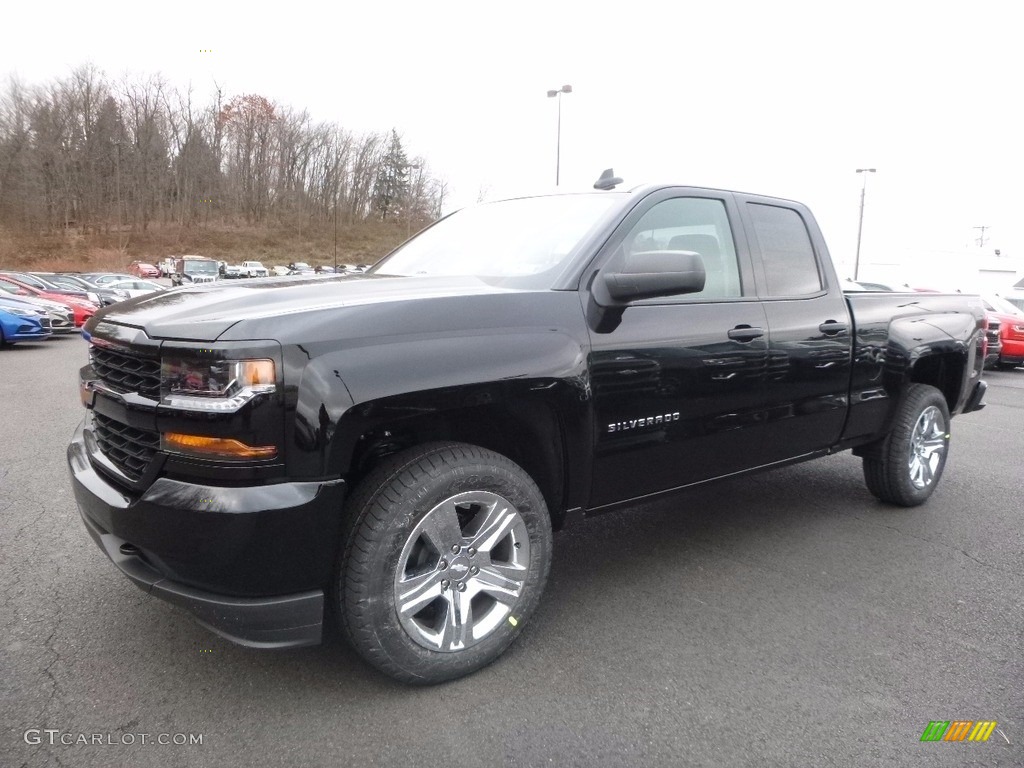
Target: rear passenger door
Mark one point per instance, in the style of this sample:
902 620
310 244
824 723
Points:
809 335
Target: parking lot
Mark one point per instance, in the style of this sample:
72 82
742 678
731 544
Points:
786 619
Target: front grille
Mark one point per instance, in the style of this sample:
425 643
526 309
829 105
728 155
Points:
129 448
127 373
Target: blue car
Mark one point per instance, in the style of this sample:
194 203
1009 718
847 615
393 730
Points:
21 325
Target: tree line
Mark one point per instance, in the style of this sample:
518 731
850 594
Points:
87 153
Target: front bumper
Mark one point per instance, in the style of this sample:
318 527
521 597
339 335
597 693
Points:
250 563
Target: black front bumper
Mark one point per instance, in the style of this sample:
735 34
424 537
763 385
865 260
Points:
250 563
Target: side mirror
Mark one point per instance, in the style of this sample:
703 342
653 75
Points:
650 274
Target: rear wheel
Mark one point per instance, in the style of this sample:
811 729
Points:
907 465
447 552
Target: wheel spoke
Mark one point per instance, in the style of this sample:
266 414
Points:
927 422
926 471
917 471
502 582
441 528
415 593
497 522
457 631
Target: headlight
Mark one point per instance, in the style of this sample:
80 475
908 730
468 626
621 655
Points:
221 386
22 312
1018 328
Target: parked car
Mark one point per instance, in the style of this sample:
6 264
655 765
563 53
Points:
254 269
194 270
43 282
143 269
1011 331
232 272
994 340
281 271
133 288
82 308
300 268
105 296
59 317
392 451
102 278
166 266
17 324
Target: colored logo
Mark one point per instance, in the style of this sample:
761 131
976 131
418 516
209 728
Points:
959 730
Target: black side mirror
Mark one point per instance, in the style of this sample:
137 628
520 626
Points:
650 274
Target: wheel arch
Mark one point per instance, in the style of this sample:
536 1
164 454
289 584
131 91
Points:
522 423
944 371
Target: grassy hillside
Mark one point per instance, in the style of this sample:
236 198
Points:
95 251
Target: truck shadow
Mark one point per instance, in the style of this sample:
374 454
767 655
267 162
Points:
681 553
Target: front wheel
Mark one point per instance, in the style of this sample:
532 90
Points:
447 552
908 464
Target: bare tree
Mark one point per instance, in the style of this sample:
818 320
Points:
82 153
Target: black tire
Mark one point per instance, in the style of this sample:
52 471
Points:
394 519
906 466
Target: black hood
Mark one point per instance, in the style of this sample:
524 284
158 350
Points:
254 309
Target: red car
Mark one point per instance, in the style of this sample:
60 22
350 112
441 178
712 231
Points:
1011 332
142 269
81 308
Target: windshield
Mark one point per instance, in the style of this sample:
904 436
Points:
999 304
201 267
522 243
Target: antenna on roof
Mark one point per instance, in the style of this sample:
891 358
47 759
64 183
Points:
608 180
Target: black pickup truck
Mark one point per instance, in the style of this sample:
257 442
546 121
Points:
389 452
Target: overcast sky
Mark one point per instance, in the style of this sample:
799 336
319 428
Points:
779 98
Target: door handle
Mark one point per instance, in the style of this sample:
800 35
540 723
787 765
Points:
745 333
832 328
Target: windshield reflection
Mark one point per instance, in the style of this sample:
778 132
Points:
520 243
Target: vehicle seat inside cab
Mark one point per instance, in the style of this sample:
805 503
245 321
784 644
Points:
719 282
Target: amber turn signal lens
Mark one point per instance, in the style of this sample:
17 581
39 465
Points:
255 373
215 447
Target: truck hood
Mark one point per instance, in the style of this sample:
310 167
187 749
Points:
248 309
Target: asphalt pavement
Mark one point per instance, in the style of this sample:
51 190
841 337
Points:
787 619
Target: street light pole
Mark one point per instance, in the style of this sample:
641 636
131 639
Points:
860 221
558 143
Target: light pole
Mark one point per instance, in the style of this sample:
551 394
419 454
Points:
558 143
860 221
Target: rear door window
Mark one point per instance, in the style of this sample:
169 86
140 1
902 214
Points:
790 266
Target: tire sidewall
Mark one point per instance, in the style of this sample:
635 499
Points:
380 615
